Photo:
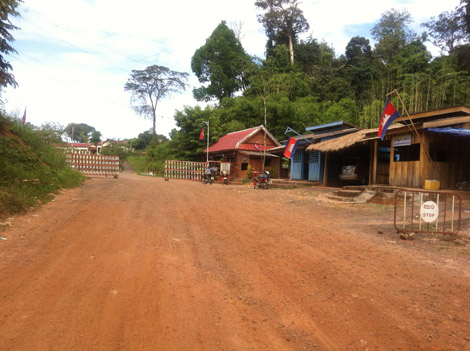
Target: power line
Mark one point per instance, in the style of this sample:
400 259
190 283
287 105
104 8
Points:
80 33
81 49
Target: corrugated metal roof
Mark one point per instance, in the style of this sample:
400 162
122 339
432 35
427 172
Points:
450 131
235 141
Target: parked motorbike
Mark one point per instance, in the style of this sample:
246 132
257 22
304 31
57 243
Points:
262 181
208 176
224 174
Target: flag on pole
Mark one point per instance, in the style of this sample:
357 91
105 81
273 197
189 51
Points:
290 147
24 117
388 116
201 134
257 147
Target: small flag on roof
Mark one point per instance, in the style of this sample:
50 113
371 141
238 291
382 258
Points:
388 116
290 147
257 147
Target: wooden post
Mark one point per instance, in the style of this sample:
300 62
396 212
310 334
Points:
373 171
325 170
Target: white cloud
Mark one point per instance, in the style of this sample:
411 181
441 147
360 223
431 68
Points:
76 55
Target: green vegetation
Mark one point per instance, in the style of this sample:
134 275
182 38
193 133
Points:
318 86
138 162
31 168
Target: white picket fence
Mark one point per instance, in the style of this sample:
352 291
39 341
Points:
184 170
94 165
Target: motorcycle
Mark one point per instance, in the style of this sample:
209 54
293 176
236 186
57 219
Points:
208 176
224 174
262 181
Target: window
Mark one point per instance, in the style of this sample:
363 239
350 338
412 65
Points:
267 161
407 153
384 154
244 166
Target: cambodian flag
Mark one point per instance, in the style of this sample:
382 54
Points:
257 147
201 134
290 147
388 116
23 120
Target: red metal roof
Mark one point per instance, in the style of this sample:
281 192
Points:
230 141
235 141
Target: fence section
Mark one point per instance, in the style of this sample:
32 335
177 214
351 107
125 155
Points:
427 212
94 165
184 170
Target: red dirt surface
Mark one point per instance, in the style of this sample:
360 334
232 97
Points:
137 263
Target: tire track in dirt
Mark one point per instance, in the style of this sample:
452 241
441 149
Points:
139 263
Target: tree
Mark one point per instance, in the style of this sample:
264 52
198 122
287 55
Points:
282 21
7 8
221 62
143 140
392 33
52 131
361 69
185 143
79 132
95 137
447 30
151 85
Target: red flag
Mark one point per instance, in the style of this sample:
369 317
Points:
201 134
388 116
24 117
291 145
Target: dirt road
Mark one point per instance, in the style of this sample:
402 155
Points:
137 263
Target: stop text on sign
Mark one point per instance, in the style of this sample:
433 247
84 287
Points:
429 211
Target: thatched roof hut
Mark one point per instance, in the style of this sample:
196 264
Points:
348 140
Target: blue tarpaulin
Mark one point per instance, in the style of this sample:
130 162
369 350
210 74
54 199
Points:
459 132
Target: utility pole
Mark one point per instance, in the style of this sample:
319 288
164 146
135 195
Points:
207 148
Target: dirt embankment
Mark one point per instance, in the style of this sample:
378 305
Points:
137 263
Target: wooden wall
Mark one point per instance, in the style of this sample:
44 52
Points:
406 174
455 169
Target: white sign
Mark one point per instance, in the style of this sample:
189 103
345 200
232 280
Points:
402 140
429 211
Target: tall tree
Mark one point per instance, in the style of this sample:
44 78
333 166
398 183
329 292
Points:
79 132
391 34
95 137
151 85
221 62
448 30
361 69
282 19
7 8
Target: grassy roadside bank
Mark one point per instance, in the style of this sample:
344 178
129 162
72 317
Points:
32 170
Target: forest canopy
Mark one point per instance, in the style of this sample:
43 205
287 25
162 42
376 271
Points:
319 86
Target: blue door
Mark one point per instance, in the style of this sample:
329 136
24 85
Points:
296 170
314 169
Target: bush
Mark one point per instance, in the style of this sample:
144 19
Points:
31 168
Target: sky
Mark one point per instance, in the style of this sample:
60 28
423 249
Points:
74 57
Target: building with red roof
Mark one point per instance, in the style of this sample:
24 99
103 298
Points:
246 148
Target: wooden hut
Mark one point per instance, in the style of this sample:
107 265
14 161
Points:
431 145
246 148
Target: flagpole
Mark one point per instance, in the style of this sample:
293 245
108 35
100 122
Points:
411 121
406 111
289 129
207 148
